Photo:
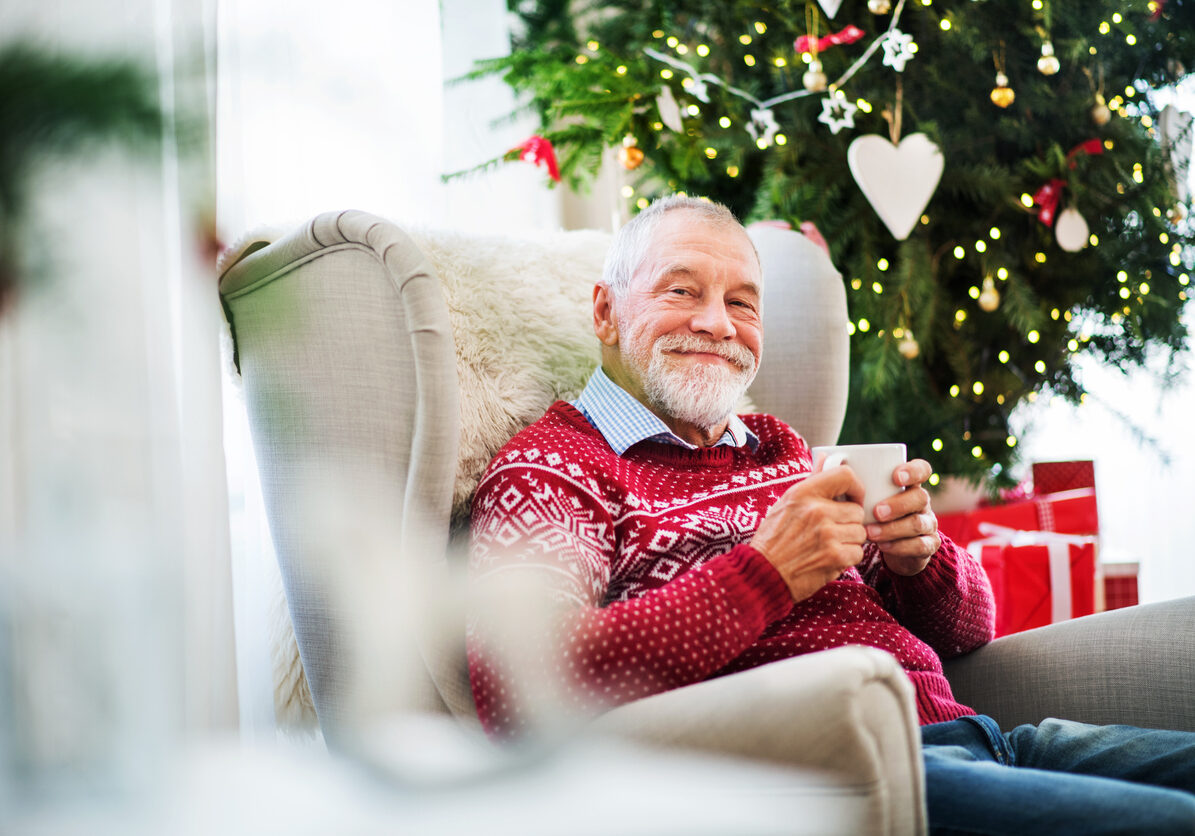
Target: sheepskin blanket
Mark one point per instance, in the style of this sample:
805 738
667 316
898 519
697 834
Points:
522 322
522 319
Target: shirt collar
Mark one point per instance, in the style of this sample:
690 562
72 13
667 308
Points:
623 421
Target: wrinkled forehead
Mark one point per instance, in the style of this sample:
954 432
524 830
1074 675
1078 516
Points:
683 241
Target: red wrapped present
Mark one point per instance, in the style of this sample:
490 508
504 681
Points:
1120 585
1052 477
1067 512
1037 577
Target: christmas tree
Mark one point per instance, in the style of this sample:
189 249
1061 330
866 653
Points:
998 182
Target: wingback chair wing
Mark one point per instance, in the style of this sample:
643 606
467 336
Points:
382 369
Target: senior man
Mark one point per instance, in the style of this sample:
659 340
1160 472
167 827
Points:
677 541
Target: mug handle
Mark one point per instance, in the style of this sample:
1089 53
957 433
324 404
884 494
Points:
834 460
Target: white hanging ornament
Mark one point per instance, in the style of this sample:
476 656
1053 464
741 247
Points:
989 297
1070 229
1048 63
898 49
815 80
830 7
897 180
879 7
838 113
763 126
908 347
697 88
669 110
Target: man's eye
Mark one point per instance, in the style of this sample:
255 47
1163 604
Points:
680 290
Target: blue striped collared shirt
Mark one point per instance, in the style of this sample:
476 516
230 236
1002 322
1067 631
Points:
623 421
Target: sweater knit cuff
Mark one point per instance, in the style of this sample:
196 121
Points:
754 584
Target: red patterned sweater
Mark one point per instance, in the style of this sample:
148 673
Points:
646 555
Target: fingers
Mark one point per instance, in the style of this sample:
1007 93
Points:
911 501
903 528
912 472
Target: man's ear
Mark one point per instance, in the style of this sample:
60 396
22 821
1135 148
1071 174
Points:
604 323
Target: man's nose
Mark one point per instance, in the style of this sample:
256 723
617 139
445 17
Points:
713 319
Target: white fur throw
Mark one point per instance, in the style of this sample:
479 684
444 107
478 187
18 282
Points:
522 320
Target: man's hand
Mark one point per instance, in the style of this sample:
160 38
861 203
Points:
810 537
906 530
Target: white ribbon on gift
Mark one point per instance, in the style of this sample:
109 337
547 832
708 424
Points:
1058 548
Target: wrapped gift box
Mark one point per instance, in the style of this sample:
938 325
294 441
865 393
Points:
1053 477
1037 577
1066 512
1120 585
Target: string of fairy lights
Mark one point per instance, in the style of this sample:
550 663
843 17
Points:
838 111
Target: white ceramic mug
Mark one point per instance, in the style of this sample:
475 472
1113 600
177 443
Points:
873 464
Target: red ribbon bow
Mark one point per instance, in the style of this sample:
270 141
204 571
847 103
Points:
1091 146
1047 198
539 151
848 35
1048 195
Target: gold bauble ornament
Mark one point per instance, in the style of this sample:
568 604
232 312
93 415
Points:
879 7
989 297
1100 114
815 80
630 154
908 347
1048 64
1002 94
1177 213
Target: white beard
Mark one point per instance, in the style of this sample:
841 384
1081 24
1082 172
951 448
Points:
703 395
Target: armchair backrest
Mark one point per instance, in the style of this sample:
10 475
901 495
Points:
386 368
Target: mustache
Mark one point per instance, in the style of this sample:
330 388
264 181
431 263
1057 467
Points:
736 354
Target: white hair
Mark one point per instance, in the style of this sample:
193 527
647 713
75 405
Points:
631 244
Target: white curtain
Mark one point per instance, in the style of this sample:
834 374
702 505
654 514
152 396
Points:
115 594
322 109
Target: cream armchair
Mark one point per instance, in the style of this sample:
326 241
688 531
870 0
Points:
387 366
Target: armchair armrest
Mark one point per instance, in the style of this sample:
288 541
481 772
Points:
1134 666
847 711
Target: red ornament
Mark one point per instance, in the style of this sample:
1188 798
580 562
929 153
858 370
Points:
1048 195
848 35
537 150
1047 198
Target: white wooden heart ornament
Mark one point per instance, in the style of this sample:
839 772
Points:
897 180
830 7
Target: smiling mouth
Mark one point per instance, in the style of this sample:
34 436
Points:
706 357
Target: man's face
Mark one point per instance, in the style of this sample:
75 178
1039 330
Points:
690 333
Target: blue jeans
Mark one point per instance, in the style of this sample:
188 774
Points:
1058 777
